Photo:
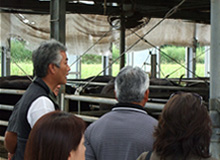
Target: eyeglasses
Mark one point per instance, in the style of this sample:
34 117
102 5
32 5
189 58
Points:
194 94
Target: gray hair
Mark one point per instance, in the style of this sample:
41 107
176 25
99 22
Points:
131 84
48 52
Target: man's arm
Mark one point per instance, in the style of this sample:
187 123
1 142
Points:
38 108
10 142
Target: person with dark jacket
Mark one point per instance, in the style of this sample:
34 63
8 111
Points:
11 131
127 130
50 70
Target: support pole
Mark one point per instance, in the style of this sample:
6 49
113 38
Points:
189 62
58 20
153 65
190 56
58 28
105 63
158 62
6 59
5 48
122 42
214 101
3 62
110 59
207 61
194 50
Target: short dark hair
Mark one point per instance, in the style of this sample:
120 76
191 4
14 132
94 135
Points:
48 52
54 136
184 128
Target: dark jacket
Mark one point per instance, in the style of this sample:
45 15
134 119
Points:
37 89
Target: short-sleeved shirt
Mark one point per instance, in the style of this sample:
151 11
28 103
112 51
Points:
34 113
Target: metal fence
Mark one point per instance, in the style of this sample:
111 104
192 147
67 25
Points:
65 97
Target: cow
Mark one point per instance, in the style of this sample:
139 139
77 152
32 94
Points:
161 89
156 92
22 83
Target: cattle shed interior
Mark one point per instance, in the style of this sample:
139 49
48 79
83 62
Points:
133 25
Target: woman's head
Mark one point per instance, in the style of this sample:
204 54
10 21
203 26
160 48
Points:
184 127
56 136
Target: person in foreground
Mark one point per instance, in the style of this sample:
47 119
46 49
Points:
56 136
50 70
11 131
183 131
127 130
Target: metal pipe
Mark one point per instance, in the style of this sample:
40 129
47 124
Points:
2 138
151 86
91 99
58 20
3 60
6 107
6 58
176 88
189 80
79 107
214 101
153 65
12 91
122 41
110 59
85 82
62 102
189 62
3 123
58 25
87 118
149 105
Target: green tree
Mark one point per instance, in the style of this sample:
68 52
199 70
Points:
91 59
115 53
19 52
171 53
97 59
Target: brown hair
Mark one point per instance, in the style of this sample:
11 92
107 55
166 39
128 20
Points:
184 128
54 136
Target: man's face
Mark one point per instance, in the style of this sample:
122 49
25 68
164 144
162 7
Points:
62 71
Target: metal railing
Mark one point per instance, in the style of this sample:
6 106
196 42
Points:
79 98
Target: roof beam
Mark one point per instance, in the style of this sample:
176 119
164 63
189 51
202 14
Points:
193 10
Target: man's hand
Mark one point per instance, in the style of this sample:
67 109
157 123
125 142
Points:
10 155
